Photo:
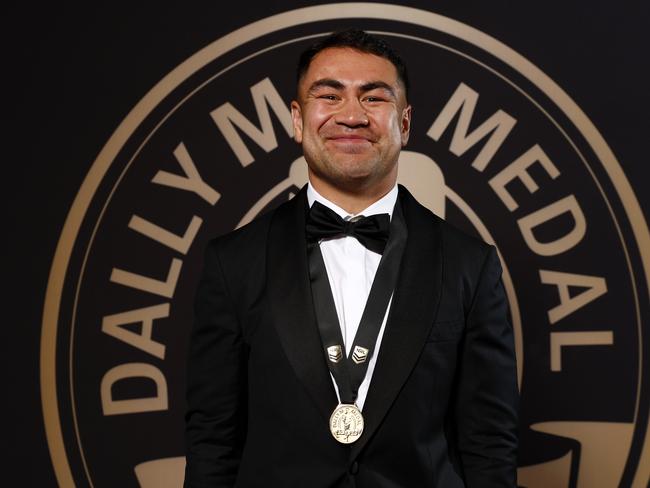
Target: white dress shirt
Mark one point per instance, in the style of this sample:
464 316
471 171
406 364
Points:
351 269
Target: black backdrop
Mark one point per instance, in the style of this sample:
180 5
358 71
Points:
75 72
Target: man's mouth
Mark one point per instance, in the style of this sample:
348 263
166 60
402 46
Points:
349 139
349 144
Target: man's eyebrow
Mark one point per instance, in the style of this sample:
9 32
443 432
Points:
373 85
337 85
326 82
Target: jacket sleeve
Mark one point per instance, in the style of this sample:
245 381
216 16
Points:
487 395
216 383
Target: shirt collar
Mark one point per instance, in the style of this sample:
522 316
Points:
384 205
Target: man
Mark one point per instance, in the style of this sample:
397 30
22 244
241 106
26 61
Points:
328 354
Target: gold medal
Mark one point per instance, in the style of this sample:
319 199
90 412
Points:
346 423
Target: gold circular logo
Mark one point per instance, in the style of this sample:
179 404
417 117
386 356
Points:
497 148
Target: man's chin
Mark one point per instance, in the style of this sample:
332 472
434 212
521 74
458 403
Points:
355 165
355 182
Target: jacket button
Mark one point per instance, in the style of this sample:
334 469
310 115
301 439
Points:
354 468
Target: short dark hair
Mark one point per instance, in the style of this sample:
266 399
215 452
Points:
361 41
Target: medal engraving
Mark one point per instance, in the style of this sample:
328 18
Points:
334 353
346 423
359 355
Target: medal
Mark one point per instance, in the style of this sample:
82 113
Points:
346 423
349 370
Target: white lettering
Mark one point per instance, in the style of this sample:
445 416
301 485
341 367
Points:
518 169
498 126
192 181
587 338
157 287
163 236
113 326
546 214
595 287
123 372
227 117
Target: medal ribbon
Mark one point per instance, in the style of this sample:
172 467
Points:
347 372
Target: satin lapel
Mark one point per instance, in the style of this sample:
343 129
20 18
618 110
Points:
289 291
414 306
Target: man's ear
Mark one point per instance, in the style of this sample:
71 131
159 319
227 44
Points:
296 119
406 124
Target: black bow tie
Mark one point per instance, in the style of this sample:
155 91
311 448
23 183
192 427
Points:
323 223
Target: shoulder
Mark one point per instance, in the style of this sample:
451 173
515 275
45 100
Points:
464 244
457 246
238 259
244 250
419 216
255 235
244 240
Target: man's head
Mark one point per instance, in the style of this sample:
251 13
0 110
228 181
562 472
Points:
351 114
359 41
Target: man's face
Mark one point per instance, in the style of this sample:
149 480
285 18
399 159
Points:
352 119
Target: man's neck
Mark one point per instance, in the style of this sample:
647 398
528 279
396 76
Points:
352 201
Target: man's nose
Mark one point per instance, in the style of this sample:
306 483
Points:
352 114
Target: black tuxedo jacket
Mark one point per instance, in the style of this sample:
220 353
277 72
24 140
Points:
441 410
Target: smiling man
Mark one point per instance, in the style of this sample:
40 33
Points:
352 119
350 338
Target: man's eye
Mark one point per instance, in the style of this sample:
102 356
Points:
373 99
328 97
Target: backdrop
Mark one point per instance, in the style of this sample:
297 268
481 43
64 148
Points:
144 131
